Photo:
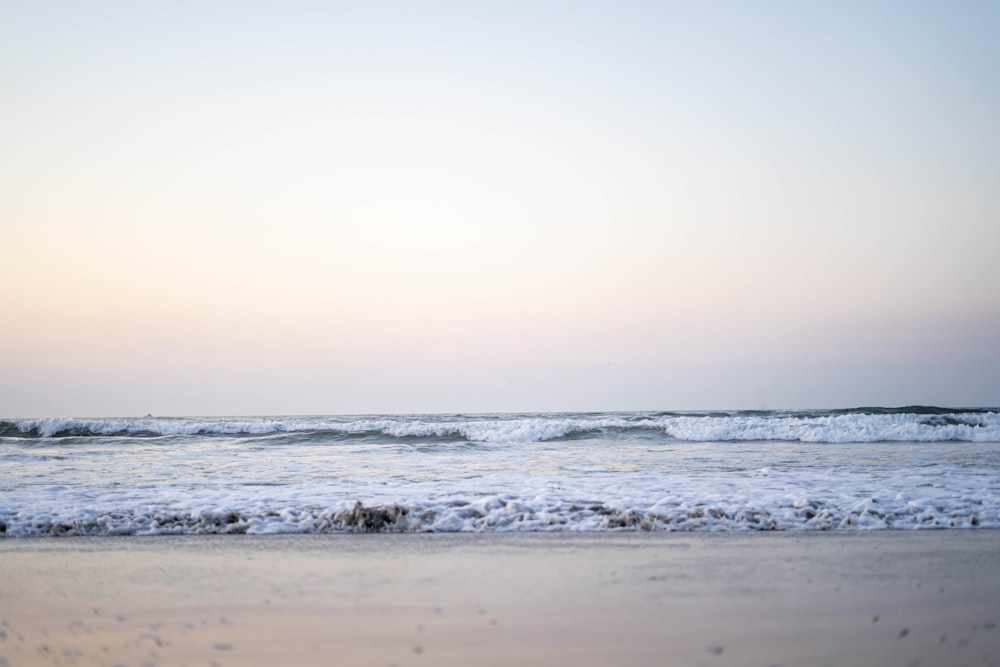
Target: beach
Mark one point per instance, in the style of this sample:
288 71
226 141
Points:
628 598
500 334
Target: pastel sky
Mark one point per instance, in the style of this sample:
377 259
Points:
313 207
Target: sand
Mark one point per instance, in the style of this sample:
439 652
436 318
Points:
891 598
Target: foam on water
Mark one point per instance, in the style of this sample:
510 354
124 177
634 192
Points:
839 428
833 426
833 470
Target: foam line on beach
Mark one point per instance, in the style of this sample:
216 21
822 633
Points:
498 514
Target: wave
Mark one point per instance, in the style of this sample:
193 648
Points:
495 430
908 424
495 514
841 427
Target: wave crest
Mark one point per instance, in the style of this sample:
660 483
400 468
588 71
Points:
917 424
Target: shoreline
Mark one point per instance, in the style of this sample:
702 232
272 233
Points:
892 597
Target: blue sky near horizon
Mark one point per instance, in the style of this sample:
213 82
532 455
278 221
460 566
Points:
238 208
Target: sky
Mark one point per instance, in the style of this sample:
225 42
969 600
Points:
319 207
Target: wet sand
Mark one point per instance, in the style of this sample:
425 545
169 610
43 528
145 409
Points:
896 598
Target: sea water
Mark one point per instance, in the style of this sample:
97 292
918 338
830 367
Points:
861 469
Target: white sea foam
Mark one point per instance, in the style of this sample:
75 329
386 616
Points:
505 430
506 513
838 428
857 426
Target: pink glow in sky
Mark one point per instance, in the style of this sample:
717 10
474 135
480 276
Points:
330 208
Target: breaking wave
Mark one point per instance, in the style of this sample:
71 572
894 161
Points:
909 424
511 514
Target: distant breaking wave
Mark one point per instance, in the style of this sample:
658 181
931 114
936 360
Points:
909 424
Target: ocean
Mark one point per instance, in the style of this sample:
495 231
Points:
836 470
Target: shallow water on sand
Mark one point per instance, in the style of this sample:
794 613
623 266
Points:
808 599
